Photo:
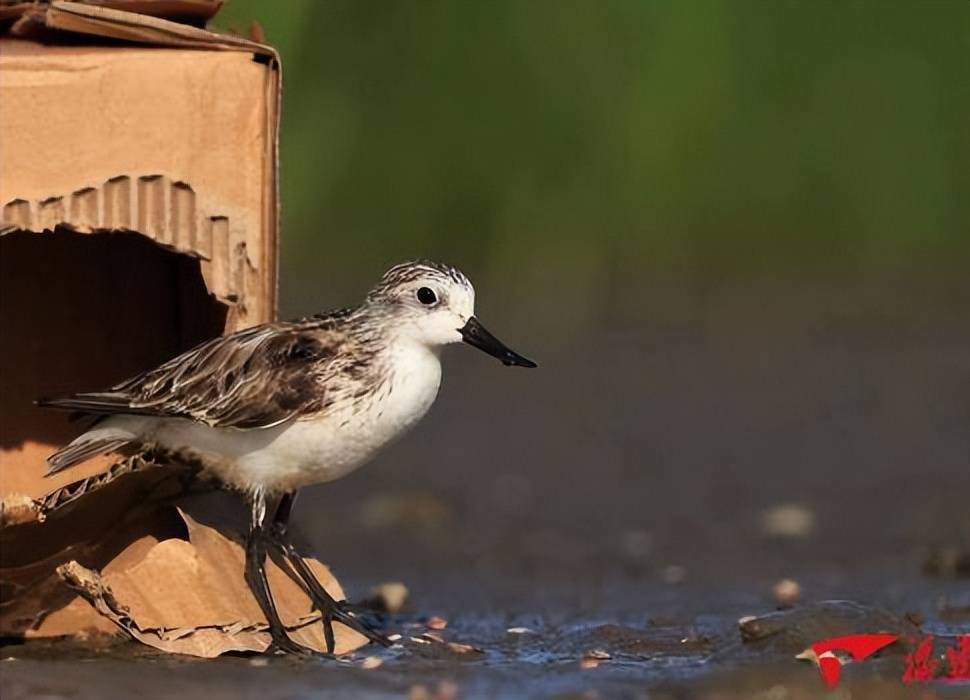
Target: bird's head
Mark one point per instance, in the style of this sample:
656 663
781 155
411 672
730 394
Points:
434 304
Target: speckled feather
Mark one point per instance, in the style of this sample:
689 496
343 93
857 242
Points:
256 378
263 376
283 405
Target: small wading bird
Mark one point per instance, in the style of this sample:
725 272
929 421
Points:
273 408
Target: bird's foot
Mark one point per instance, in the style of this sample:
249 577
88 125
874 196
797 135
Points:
346 614
282 644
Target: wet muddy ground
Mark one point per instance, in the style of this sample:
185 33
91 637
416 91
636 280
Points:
685 656
632 499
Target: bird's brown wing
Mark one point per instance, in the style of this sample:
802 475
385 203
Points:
256 378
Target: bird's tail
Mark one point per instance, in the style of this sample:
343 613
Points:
96 441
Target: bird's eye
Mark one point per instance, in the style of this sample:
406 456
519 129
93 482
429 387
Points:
427 296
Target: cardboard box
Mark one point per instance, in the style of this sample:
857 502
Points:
138 186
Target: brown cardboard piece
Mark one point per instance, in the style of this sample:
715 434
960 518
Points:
214 611
138 216
195 12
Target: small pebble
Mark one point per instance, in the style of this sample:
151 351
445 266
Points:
419 692
786 592
599 654
371 662
436 623
789 520
752 629
460 648
389 597
520 630
745 620
446 690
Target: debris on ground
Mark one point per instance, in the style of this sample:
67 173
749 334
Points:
389 597
444 690
786 593
788 520
436 623
190 596
371 662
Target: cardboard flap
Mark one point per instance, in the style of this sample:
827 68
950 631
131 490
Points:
137 28
189 11
190 596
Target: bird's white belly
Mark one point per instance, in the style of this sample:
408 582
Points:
303 452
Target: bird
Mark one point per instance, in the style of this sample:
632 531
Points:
270 409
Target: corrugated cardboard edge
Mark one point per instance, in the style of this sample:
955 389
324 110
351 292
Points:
17 509
155 207
90 586
215 613
207 641
35 539
119 25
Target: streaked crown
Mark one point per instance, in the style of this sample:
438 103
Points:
406 274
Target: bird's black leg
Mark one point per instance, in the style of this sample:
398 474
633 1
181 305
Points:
256 544
331 610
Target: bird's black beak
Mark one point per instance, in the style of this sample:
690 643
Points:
474 333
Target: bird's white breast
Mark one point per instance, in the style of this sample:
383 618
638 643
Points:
350 433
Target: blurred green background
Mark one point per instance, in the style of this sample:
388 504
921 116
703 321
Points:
733 234
582 147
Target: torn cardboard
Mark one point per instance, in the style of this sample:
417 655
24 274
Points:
190 597
138 217
118 123
92 520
